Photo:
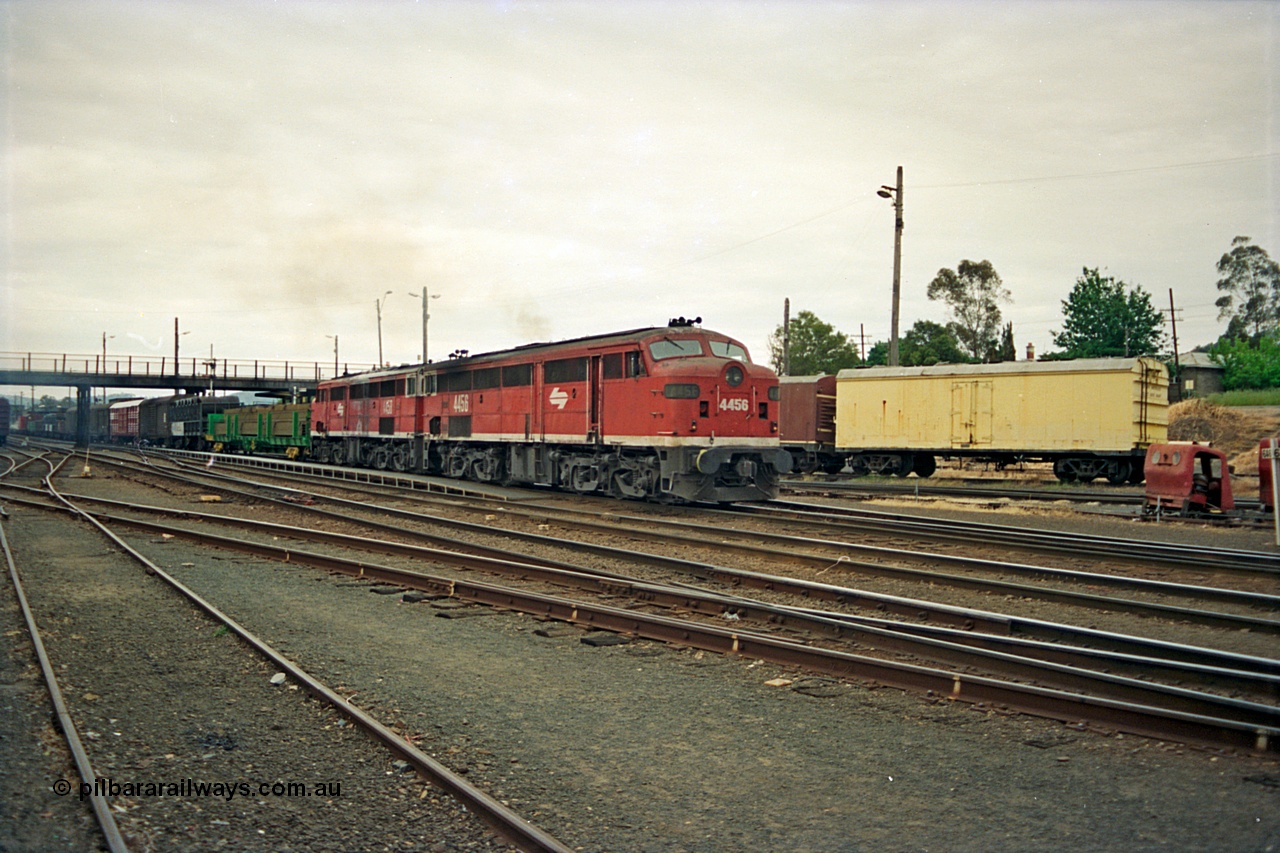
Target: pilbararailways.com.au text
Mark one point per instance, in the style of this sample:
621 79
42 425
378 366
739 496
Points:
191 788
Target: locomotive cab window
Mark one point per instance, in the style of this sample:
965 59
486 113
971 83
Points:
668 348
635 364
728 349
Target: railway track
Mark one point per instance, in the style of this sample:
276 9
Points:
1118 496
790 549
502 820
1064 671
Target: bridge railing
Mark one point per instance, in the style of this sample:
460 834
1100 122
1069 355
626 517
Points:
161 366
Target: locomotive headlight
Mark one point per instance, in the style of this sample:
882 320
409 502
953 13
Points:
734 376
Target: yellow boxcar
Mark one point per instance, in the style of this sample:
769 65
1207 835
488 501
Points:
1090 417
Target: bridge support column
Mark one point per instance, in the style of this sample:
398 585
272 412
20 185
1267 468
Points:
84 399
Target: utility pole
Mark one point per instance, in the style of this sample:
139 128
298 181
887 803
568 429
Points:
895 193
786 337
426 315
1177 368
378 302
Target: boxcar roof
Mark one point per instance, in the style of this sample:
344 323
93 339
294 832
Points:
1078 365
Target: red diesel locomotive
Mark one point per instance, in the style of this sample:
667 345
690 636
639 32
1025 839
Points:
665 413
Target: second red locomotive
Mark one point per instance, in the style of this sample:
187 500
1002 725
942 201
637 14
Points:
675 412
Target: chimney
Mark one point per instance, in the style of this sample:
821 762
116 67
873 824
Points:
1031 352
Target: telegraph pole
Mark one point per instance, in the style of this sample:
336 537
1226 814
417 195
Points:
895 193
1177 368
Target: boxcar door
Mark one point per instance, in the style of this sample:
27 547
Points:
961 414
971 413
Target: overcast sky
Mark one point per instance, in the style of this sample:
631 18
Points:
266 171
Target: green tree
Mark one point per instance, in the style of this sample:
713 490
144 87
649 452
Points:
1250 285
878 355
928 343
1249 364
1008 350
816 347
973 291
1106 318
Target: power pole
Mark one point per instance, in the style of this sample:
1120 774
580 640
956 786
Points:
1177 368
895 193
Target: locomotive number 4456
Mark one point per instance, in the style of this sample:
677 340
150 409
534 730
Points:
735 404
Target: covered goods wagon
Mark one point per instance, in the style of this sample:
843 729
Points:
1089 417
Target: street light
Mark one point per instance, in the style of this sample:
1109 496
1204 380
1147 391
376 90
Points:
426 315
176 336
378 302
105 338
895 193
335 354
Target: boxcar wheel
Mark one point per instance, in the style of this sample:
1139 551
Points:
1119 472
925 465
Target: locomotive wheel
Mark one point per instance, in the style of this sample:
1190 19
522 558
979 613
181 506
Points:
456 464
380 457
488 467
399 458
339 455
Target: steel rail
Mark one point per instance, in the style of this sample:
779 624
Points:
912 489
708 603
501 819
1198 557
642 527
911 608
993 627
981 492
84 766
1136 718
1024 538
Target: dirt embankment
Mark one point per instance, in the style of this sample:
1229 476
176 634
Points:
1235 431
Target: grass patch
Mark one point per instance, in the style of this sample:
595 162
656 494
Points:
1258 397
